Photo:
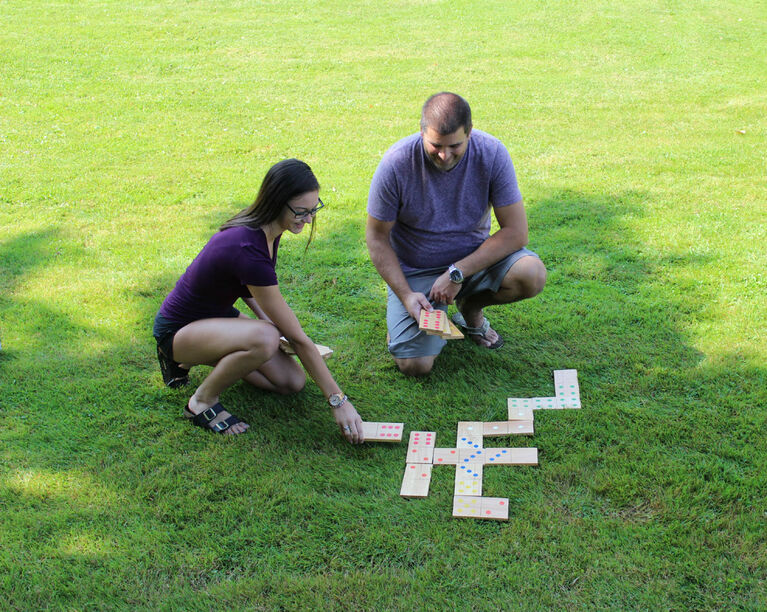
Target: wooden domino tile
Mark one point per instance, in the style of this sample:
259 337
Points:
469 442
524 456
494 429
569 402
521 414
498 456
517 412
416 480
566 388
511 456
420 449
490 508
520 406
545 403
471 455
521 428
382 432
470 434
470 428
453 332
433 321
445 456
287 348
468 479
466 506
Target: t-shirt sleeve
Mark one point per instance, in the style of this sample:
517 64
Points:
383 198
503 184
253 266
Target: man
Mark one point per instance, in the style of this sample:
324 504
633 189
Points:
428 232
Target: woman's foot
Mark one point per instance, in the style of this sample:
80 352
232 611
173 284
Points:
214 417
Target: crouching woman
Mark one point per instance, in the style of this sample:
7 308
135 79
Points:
197 323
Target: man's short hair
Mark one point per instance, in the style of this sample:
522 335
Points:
445 112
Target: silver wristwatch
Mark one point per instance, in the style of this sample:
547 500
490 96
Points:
456 276
336 400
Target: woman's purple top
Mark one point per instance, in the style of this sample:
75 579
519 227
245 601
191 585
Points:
232 259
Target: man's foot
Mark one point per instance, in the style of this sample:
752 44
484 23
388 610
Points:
481 332
214 418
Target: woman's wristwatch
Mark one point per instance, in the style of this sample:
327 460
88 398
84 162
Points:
336 400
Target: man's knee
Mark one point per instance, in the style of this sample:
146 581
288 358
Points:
416 366
526 278
536 278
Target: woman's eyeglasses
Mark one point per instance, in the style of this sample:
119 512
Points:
306 213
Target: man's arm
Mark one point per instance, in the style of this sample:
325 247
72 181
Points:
511 237
385 261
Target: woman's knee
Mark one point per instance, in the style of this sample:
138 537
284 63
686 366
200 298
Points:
293 383
263 340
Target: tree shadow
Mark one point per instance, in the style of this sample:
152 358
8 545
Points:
94 442
23 253
19 256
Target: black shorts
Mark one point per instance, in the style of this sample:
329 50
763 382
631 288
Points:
164 331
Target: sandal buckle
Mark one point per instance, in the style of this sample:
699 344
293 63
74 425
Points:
219 427
212 412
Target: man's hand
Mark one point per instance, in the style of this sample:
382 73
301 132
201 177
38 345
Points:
415 302
443 291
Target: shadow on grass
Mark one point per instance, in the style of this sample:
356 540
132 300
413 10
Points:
18 257
23 253
94 445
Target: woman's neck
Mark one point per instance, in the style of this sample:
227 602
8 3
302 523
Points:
272 231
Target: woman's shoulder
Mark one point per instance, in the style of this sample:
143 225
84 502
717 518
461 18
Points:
240 235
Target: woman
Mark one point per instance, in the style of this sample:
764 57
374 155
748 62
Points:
198 325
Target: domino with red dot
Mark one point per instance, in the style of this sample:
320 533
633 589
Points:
382 432
490 508
415 482
433 321
420 449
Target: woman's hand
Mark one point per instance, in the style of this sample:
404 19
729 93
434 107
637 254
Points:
349 422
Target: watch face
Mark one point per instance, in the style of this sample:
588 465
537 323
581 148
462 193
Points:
456 276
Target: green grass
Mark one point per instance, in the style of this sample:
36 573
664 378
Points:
129 131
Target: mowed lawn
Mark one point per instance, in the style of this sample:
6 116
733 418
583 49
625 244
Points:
130 130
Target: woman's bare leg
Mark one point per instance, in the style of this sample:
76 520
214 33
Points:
237 347
281 374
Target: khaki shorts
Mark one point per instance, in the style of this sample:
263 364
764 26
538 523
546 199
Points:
406 340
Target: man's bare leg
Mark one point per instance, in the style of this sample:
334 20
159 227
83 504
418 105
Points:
415 366
525 279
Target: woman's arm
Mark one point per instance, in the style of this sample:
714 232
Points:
257 310
273 305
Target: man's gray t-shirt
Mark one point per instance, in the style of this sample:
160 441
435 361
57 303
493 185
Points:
441 216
